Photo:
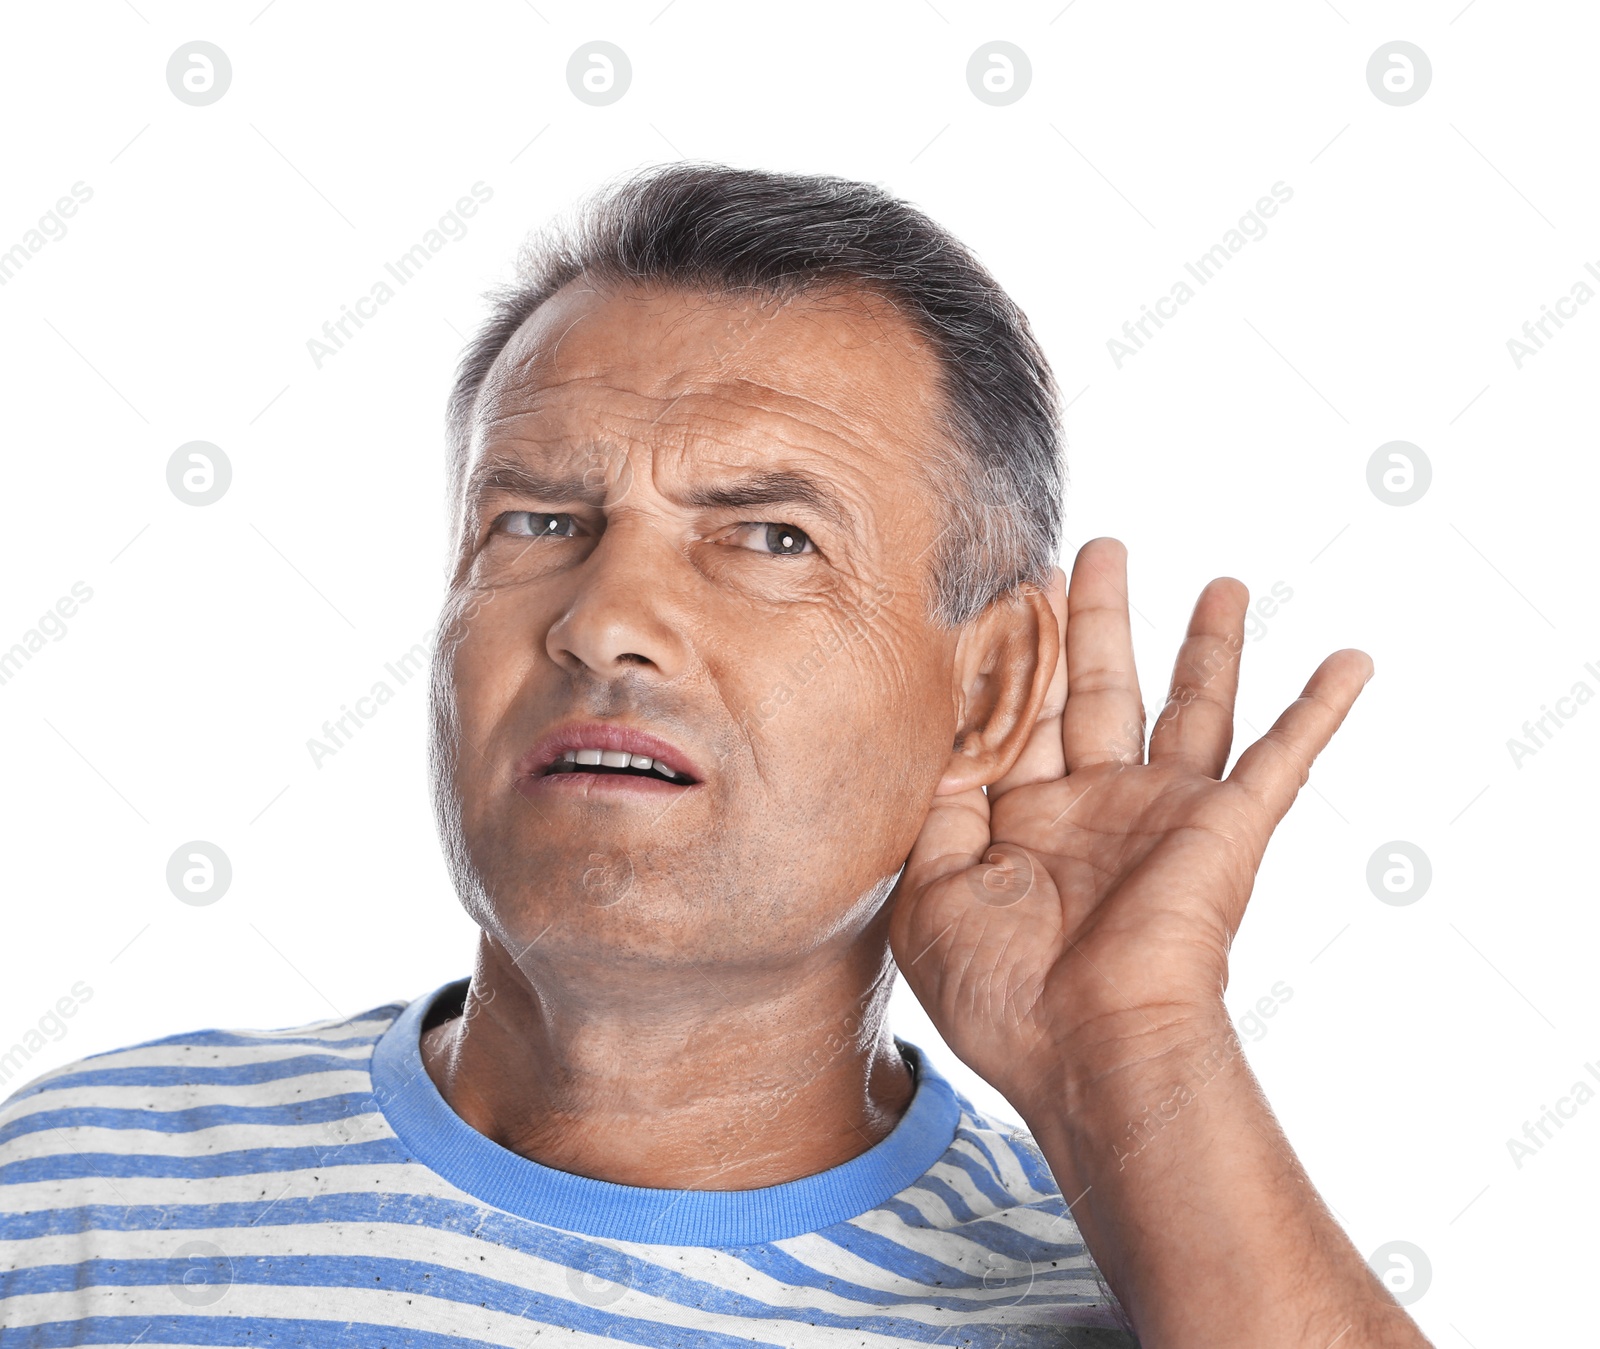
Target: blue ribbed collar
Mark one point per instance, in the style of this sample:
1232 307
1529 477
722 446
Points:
445 1143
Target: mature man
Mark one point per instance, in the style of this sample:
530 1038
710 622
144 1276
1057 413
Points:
756 679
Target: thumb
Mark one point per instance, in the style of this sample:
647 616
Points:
954 837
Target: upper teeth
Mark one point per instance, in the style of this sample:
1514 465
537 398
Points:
615 758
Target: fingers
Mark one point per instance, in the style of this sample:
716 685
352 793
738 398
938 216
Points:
1195 728
1041 759
1275 768
1104 717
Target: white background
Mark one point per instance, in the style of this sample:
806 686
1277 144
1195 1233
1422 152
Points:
1418 1038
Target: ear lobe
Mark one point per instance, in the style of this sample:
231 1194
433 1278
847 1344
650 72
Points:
1003 664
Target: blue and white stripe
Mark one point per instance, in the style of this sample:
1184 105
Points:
310 1186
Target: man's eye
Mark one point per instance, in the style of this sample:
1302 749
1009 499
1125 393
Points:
537 524
778 539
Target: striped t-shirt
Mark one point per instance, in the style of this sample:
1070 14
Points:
311 1186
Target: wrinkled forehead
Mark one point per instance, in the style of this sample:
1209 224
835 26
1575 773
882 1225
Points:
838 372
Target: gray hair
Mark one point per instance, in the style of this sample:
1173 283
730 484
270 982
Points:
707 227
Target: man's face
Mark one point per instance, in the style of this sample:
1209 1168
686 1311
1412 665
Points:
705 521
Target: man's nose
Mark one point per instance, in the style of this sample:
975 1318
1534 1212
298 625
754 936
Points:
621 615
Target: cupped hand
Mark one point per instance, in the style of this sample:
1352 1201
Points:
1083 908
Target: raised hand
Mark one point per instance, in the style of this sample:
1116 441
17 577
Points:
1084 907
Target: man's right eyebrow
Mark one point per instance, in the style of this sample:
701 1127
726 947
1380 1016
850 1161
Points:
498 475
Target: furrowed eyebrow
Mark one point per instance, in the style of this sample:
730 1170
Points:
512 477
776 487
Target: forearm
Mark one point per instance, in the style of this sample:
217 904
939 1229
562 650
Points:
1193 1204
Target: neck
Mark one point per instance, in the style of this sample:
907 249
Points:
709 1081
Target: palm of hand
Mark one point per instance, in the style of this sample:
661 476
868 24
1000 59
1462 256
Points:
1091 893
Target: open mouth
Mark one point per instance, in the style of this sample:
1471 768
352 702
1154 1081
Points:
614 763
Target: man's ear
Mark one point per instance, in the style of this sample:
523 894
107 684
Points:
1004 661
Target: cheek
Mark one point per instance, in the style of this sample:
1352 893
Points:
851 702
487 665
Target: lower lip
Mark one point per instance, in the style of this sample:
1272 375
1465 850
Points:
544 785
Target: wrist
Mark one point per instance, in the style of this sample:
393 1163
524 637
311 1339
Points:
1112 1053
1123 1078
1187 1193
